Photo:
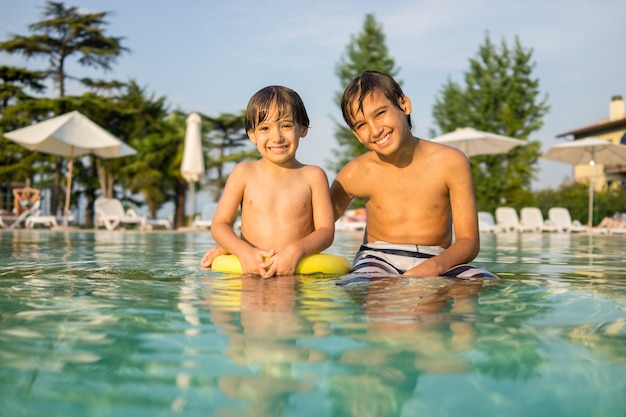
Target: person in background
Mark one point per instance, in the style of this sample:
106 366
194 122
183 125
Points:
615 222
24 198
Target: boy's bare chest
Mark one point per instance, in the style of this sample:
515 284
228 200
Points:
282 196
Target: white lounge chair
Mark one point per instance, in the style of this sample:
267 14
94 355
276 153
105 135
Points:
205 219
38 218
6 217
18 220
110 214
486 222
154 223
531 220
45 220
507 219
561 218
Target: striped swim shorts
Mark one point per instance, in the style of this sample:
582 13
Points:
394 259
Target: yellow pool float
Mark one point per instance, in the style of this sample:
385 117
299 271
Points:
319 263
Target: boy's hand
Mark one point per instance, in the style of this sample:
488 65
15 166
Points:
428 268
253 261
210 256
283 262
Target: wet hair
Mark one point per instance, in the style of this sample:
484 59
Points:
275 98
364 85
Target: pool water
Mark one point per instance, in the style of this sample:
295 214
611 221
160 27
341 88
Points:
127 324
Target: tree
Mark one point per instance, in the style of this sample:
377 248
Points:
499 96
366 51
15 81
16 84
64 32
227 143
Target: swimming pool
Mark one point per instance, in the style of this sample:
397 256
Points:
126 324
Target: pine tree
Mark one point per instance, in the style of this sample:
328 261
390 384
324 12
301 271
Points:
499 96
366 51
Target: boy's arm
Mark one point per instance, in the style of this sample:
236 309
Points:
338 194
222 229
286 260
466 243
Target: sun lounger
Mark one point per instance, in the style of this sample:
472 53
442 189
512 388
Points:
110 214
205 219
20 220
531 220
507 219
153 223
44 220
40 219
561 218
486 222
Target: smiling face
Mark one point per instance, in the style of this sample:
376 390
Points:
379 124
278 136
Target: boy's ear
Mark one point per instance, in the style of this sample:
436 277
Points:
405 104
251 136
303 131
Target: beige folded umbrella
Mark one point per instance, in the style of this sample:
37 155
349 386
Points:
192 166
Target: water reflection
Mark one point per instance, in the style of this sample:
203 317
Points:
414 327
376 340
265 331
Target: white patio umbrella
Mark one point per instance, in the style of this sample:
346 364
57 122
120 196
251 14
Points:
71 134
475 142
192 166
590 151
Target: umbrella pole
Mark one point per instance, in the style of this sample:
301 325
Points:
70 171
590 218
592 163
192 193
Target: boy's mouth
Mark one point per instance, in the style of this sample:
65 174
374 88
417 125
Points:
278 149
383 141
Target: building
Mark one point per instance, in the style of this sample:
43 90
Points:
614 129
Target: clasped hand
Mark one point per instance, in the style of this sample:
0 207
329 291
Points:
265 263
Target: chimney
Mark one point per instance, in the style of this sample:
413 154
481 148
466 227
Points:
616 108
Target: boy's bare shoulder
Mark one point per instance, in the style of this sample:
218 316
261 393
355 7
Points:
444 149
448 155
245 165
358 164
313 170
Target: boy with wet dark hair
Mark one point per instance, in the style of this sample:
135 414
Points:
418 194
286 212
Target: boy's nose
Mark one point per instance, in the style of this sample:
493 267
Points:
376 130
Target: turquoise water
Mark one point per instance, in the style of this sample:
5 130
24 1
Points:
126 324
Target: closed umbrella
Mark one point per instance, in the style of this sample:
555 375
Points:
590 151
192 166
70 135
475 142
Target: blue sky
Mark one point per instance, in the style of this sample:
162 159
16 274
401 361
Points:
211 56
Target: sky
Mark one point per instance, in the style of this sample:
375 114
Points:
211 56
